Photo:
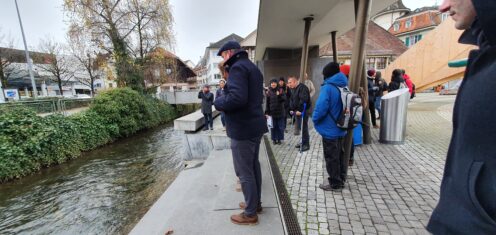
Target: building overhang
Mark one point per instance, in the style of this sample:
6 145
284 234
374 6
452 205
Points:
281 25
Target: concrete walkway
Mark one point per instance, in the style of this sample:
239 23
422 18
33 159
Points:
391 189
202 199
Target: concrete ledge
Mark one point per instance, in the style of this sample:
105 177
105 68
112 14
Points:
192 122
201 201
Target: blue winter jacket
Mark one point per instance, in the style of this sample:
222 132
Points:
329 103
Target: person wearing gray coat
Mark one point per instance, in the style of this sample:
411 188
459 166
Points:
206 106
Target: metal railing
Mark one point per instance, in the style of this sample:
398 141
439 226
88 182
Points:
49 106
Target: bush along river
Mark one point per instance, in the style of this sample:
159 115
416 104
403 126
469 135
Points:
105 191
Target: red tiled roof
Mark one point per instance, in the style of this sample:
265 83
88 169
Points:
420 20
379 42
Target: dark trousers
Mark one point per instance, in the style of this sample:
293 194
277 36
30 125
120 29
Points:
208 120
223 118
305 139
372 111
247 166
277 130
335 163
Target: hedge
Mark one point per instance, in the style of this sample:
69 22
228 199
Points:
29 142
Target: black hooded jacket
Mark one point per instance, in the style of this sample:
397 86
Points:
275 102
395 83
467 203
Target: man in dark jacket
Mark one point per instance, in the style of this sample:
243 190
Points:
467 203
206 106
300 98
242 104
327 109
372 88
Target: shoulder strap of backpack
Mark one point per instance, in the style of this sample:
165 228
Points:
330 114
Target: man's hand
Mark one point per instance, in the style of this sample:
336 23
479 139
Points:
277 93
298 113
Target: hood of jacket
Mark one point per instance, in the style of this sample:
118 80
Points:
338 79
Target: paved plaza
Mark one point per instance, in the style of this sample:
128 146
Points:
391 189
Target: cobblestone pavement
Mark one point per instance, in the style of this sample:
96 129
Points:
391 189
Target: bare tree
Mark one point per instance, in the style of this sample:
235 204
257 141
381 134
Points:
87 69
57 65
127 29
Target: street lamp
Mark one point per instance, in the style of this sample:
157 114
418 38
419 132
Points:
30 64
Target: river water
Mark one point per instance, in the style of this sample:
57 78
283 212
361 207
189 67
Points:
105 191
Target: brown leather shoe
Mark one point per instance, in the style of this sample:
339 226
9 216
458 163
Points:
242 206
242 219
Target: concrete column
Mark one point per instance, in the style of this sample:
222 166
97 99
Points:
357 72
334 48
304 49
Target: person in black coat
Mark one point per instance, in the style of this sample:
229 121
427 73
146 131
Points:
383 86
372 89
206 106
220 93
300 96
242 104
467 203
287 92
274 108
397 80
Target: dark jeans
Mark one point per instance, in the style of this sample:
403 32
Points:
223 118
208 120
247 166
277 130
372 111
378 104
335 163
305 139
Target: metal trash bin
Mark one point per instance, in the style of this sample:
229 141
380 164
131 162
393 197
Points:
394 108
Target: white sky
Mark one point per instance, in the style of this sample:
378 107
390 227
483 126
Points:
197 22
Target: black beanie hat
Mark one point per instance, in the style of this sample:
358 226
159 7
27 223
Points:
330 70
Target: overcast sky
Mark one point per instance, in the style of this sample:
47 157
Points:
197 23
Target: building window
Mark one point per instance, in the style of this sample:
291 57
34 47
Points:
412 40
98 85
370 63
408 23
381 63
396 26
111 85
444 16
217 76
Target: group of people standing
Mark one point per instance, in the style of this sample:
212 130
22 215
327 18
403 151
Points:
289 100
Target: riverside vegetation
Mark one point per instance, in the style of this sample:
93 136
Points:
29 142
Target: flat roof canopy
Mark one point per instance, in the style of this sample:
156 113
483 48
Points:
281 25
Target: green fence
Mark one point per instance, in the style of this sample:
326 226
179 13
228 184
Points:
50 105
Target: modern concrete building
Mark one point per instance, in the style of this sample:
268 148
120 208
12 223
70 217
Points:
388 16
414 26
381 47
207 68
